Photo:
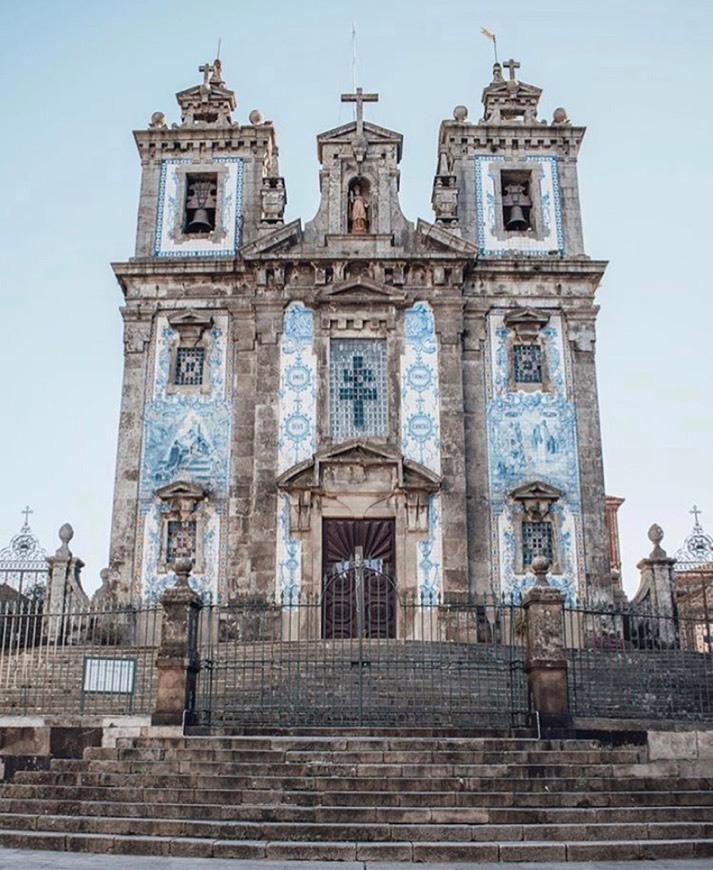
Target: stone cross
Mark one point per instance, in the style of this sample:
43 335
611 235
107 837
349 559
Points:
357 392
360 98
28 510
511 65
207 69
695 510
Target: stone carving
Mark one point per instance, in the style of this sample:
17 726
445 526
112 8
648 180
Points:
158 121
272 200
358 212
655 535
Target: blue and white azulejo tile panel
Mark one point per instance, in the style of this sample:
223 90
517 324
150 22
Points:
421 431
358 388
224 241
546 237
532 436
297 414
289 557
420 395
186 437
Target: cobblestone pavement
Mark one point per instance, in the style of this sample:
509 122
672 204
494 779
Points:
26 859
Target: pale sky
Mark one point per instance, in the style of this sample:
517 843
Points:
80 75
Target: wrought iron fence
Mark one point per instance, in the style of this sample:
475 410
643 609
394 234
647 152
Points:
631 661
427 664
86 660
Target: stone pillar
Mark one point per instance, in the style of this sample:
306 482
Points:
177 661
64 590
655 590
545 659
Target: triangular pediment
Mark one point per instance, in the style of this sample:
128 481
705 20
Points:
275 240
440 239
506 89
193 318
410 474
536 490
372 133
181 489
359 291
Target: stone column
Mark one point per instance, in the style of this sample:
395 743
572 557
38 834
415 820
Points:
545 659
64 590
655 590
177 661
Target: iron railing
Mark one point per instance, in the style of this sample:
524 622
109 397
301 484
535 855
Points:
86 660
631 661
444 665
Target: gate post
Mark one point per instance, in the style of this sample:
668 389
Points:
177 662
545 659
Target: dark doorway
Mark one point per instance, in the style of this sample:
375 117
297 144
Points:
359 591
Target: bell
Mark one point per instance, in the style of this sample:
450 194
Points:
517 219
200 223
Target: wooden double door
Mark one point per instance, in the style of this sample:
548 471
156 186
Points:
359 587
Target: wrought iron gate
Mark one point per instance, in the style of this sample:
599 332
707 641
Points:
404 662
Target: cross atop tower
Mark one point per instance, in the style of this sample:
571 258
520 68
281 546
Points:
28 510
695 510
512 65
360 98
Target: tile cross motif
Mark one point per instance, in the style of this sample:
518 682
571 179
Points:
358 392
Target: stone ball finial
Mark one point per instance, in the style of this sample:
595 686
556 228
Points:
104 575
540 567
655 534
255 117
559 116
158 121
66 533
460 113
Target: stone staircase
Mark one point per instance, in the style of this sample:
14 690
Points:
353 797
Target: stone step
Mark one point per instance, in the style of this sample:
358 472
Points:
627 850
476 815
352 832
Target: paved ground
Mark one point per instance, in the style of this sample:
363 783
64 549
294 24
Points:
25 859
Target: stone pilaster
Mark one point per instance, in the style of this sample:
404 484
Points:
64 591
545 659
177 662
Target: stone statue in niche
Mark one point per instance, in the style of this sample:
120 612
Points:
358 211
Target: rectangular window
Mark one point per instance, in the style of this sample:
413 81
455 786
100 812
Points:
527 360
516 200
180 540
189 366
358 403
201 202
536 541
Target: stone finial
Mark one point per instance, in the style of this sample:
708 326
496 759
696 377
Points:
655 535
255 117
497 72
559 117
66 533
460 113
540 567
183 568
158 121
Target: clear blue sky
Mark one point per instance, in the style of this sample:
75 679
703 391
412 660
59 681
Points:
79 75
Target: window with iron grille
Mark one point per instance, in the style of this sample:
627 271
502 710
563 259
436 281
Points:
189 366
180 540
536 541
357 387
527 359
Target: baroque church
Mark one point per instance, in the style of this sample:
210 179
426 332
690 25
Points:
420 396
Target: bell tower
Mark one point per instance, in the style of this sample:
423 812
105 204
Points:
508 184
209 187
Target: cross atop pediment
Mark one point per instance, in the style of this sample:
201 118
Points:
360 98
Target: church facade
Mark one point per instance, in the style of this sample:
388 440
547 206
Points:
420 396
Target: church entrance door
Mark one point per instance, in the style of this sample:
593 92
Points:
359 589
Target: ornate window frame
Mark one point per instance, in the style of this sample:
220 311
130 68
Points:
215 171
191 330
183 502
525 328
533 503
